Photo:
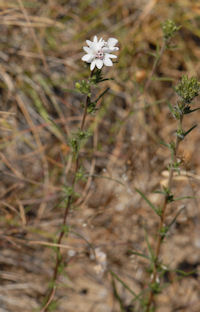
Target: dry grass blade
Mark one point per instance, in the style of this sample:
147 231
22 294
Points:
33 34
38 141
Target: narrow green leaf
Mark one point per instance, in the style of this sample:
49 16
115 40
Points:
105 79
83 238
174 219
187 110
152 54
117 296
102 94
155 209
183 273
138 254
160 192
123 284
187 132
165 144
184 197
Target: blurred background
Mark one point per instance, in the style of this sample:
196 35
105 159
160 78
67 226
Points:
40 61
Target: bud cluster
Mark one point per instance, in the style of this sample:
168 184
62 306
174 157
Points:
188 89
169 29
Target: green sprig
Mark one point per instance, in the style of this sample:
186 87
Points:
188 89
169 29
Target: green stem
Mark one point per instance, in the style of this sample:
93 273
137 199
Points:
162 219
51 294
159 56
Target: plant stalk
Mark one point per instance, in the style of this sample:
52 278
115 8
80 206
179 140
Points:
50 296
162 220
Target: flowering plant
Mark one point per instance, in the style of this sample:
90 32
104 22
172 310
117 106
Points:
99 52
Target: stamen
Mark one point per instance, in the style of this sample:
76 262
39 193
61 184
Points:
100 55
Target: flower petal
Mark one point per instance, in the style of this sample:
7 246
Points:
92 66
87 58
112 42
115 49
87 50
99 64
107 62
89 43
95 39
111 55
109 49
106 50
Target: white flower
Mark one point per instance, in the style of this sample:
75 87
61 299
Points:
110 45
99 52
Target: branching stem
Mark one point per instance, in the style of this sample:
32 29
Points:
58 262
162 219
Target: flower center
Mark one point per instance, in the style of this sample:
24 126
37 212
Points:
99 55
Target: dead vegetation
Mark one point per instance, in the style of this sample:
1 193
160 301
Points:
40 54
